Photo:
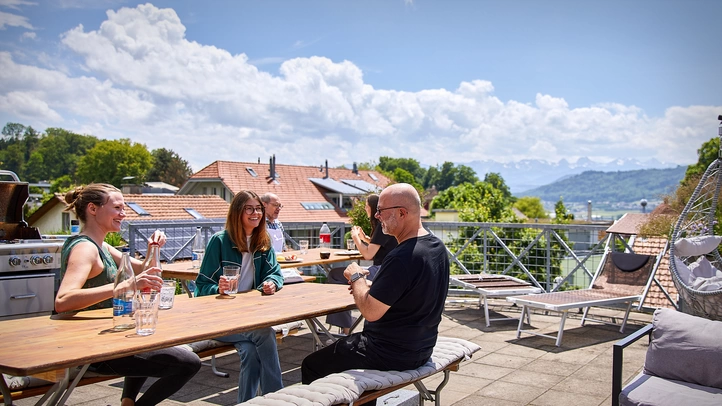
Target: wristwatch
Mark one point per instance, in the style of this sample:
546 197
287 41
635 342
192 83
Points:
356 277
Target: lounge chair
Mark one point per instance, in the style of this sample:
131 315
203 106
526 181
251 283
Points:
622 278
487 285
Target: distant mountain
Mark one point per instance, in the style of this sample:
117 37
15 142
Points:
531 173
619 186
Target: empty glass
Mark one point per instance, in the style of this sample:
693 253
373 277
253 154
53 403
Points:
350 245
146 312
230 273
303 244
167 294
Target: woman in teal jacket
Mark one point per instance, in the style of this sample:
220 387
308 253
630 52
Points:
246 243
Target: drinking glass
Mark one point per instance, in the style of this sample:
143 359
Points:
303 244
230 273
167 294
146 312
350 245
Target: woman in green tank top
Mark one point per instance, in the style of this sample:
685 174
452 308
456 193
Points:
88 267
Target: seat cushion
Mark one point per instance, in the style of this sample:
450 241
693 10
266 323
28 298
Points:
648 390
685 348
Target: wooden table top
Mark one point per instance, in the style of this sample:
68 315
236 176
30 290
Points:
183 270
38 344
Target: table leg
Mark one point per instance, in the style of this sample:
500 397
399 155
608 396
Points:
74 384
7 398
184 284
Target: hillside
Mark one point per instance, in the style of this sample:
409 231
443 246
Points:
620 186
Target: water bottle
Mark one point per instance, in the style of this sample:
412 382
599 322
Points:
74 227
152 260
324 236
198 249
123 294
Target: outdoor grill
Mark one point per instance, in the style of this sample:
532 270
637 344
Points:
28 263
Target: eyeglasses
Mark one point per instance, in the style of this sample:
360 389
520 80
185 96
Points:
250 209
379 209
278 205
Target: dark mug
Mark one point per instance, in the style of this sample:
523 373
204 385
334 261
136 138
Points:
325 254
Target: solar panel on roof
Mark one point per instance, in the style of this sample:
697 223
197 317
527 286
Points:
317 205
363 185
336 187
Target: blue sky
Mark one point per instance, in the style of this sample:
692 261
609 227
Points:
350 81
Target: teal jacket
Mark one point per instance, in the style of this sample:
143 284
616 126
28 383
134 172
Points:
221 251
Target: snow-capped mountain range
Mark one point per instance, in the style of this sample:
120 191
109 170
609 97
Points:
531 173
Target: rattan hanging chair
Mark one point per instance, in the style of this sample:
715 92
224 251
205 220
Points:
698 220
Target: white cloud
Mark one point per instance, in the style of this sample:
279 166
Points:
143 79
15 4
13 20
28 35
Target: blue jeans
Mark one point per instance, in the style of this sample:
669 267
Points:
259 362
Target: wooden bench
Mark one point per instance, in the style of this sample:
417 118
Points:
40 384
358 386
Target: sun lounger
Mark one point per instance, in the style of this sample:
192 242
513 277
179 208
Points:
487 285
623 278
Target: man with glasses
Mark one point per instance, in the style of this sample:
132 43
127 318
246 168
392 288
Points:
273 207
402 307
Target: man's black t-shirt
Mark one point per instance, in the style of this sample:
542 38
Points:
413 280
385 242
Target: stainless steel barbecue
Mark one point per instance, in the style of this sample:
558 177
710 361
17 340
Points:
28 264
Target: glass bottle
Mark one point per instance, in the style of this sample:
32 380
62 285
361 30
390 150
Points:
199 248
124 291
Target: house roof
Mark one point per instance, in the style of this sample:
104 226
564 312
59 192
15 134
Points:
653 246
159 207
173 207
629 224
293 185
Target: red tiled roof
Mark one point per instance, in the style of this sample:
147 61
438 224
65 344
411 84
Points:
655 297
292 187
172 207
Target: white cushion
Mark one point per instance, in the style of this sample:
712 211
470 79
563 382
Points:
700 245
347 386
700 275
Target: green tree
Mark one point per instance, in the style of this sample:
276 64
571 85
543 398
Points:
705 156
447 176
477 202
17 144
560 211
367 166
498 182
531 206
431 177
111 161
58 153
464 174
168 167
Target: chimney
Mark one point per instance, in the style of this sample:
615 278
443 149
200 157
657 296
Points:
326 176
355 168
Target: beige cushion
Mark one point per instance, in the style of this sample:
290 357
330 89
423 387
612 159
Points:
685 348
700 245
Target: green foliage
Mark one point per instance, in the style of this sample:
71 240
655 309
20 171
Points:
358 215
478 202
115 240
110 161
498 182
168 167
626 186
531 207
705 156
560 211
367 166
389 165
403 176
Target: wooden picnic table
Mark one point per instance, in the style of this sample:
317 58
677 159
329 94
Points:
41 344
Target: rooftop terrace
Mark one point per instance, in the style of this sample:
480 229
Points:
507 370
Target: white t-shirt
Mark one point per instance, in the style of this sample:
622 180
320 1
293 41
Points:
245 280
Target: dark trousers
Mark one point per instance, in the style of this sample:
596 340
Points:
346 353
174 366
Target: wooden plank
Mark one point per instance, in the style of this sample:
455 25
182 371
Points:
40 344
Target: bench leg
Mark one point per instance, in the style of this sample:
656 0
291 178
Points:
214 369
626 316
561 328
434 395
486 311
7 398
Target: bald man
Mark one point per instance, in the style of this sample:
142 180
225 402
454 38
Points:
402 307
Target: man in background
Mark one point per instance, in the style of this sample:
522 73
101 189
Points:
273 206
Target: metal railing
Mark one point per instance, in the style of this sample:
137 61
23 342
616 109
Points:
551 256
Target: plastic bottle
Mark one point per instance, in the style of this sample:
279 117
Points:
199 248
324 236
124 291
74 227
